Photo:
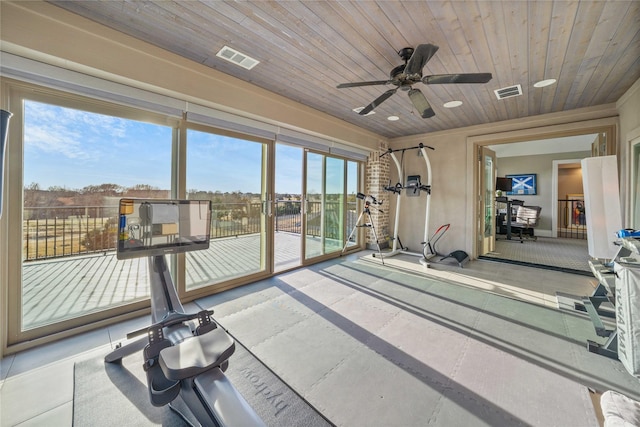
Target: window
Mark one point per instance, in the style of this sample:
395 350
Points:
79 157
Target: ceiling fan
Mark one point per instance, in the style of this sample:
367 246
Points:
406 75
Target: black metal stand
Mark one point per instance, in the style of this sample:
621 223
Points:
366 210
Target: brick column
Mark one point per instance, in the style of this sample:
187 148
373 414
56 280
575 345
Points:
376 178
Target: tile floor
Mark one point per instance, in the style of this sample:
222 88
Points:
36 386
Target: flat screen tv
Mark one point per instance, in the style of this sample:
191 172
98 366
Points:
504 184
150 227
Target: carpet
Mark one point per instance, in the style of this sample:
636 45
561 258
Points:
567 255
116 394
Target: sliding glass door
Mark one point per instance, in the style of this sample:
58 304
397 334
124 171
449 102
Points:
287 210
78 159
352 203
334 198
325 204
314 207
229 170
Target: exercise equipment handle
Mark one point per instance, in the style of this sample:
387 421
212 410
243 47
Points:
419 146
175 318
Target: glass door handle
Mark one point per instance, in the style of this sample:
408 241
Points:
267 207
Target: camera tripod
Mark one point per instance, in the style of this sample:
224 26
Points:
366 210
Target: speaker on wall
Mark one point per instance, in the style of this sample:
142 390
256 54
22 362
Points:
602 205
4 130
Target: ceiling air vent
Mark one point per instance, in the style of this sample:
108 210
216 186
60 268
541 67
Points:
237 58
508 92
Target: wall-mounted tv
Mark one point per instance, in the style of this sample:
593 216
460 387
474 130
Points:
150 227
504 184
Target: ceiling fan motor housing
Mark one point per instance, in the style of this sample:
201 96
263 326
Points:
397 71
405 53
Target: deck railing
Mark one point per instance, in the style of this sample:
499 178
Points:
288 216
53 232
572 222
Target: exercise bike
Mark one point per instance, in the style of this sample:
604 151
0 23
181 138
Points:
185 354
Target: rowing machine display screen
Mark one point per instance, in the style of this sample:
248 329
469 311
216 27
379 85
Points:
149 227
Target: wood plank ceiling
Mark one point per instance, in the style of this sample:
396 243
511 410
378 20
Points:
306 48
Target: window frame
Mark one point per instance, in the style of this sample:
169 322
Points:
18 92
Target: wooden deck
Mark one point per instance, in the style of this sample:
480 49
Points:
63 288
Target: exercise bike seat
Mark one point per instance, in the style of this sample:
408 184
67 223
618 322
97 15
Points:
196 355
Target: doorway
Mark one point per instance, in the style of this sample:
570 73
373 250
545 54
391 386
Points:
556 143
568 220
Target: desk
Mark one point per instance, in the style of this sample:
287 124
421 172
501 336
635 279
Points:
510 204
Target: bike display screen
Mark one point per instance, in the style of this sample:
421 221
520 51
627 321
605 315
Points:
149 227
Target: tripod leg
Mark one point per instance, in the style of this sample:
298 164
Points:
375 236
355 227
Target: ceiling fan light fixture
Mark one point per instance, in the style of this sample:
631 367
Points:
544 83
452 104
393 118
358 109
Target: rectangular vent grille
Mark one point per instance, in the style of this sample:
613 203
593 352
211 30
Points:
237 58
508 92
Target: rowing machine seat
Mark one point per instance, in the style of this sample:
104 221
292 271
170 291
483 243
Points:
196 355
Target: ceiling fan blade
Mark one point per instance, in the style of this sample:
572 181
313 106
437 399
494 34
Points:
377 82
439 79
420 102
379 100
421 55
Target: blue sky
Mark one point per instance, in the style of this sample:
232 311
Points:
73 149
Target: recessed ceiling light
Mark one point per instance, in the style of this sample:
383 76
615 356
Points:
393 118
452 104
358 109
543 83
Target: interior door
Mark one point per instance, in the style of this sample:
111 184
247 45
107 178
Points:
486 201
